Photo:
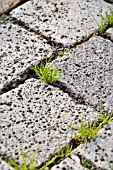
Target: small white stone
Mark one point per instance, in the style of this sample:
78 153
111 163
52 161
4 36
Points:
110 33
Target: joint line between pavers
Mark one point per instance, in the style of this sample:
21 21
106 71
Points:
42 36
49 39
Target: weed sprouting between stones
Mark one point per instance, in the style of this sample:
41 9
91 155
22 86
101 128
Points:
86 163
46 73
105 21
59 156
87 130
28 162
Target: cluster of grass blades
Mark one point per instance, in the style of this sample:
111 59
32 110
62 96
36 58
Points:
29 162
86 163
59 156
105 21
46 73
87 130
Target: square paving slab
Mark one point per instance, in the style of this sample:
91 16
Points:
88 72
36 113
66 21
19 49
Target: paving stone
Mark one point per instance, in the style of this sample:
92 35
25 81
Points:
34 113
5 166
88 71
68 163
100 149
19 49
109 33
64 21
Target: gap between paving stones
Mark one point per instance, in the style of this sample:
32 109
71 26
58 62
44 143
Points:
74 143
55 44
96 69
26 27
52 43
86 160
19 50
32 92
80 42
27 74
99 144
71 22
100 149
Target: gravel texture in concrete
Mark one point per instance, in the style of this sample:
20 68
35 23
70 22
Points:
66 21
19 49
88 72
100 149
34 113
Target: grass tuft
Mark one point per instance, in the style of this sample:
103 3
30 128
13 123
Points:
46 73
88 130
105 21
28 163
86 163
60 155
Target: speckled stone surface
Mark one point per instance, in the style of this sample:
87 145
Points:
109 33
69 164
88 72
19 49
100 149
5 166
34 113
66 21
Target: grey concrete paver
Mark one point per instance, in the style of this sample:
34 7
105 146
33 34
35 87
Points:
100 149
19 49
88 71
109 33
35 113
66 21
69 164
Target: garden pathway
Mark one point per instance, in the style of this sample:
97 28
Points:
35 113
